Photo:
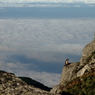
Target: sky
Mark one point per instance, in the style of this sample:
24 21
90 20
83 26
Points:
37 36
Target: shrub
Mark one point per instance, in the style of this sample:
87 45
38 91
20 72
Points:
84 85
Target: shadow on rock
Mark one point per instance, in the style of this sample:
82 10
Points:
66 93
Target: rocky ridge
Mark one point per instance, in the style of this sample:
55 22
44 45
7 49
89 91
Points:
12 85
75 70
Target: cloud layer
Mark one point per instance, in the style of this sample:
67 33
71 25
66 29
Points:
48 79
42 39
47 1
36 47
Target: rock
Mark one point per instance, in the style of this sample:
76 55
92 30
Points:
69 73
86 69
12 85
55 89
74 70
88 49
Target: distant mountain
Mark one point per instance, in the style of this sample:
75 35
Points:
34 83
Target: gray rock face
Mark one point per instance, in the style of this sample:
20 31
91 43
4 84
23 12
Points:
11 85
56 89
68 73
88 49
74 70
86 69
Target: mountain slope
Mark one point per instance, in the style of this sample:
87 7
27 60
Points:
12 85
34 83
79 78
84 85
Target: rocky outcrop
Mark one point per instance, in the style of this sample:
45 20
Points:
74 70
12 85
87 51
68 73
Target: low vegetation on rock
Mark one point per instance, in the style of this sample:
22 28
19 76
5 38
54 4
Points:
84 85
79 78
12 85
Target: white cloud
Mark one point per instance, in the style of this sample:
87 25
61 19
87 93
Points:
45 40
28 36
47 1
48 79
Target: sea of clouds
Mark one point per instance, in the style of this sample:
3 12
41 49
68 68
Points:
47 1
49 41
